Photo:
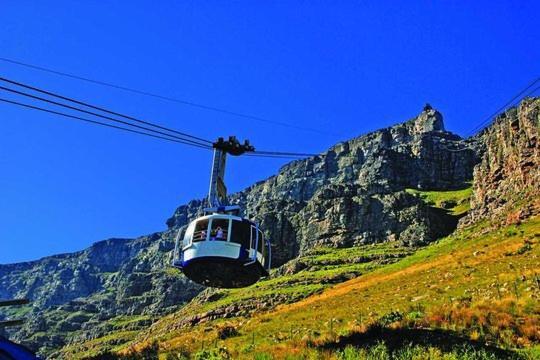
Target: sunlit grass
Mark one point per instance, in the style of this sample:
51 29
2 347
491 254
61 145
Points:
455 201
483 271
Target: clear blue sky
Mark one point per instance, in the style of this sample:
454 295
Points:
345 67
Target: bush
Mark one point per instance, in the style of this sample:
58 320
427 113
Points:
376 352
412 352
390 318
263 356
150 352
179 355
226 331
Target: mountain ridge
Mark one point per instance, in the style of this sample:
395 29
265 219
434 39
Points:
472 295
352 195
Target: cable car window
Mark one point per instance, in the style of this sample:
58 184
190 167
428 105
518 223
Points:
201 230
260 244
181 234
188 236
240 233
220 229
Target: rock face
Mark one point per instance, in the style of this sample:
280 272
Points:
506 181
73 293
352 194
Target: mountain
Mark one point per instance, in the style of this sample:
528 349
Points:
472 294
363 205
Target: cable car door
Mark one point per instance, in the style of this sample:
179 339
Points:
253 243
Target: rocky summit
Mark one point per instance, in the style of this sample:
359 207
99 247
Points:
359 192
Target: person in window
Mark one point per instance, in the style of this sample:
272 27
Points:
203 235
219 233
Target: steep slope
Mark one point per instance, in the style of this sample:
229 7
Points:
354 194
478 286
506 186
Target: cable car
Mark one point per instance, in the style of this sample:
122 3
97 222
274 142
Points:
221 248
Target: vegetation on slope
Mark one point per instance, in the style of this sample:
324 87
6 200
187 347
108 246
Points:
456 202
472 295
475 287
311 274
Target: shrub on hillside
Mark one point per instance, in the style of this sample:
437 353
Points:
226 331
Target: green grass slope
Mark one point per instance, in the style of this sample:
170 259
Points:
456 202
473 288
318 270
472 295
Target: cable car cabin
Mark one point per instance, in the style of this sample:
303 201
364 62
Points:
222 250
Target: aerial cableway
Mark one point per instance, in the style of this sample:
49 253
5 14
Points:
221 248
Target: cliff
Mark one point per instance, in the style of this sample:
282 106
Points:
392 299
506 181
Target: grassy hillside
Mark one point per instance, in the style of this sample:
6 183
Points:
473 286
318 270
456 202
472 295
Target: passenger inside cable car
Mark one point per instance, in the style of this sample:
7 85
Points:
217 232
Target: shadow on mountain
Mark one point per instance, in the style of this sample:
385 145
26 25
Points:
445 222
397 339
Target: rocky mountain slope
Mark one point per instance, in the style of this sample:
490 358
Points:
356 193
507 181
471 295
76 292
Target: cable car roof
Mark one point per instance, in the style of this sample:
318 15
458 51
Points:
223 216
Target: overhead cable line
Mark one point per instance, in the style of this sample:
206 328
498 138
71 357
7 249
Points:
99 115
163 97
515 102
101 109
275 156
277 153
185 138
101 123
505 106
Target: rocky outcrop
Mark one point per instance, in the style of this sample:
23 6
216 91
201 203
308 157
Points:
506 181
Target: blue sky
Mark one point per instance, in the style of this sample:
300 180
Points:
343 67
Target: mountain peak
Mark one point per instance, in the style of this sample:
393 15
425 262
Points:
429 120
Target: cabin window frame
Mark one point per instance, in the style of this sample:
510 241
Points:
228 229
236 233
208 221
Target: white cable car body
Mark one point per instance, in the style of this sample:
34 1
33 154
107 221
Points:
221 248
